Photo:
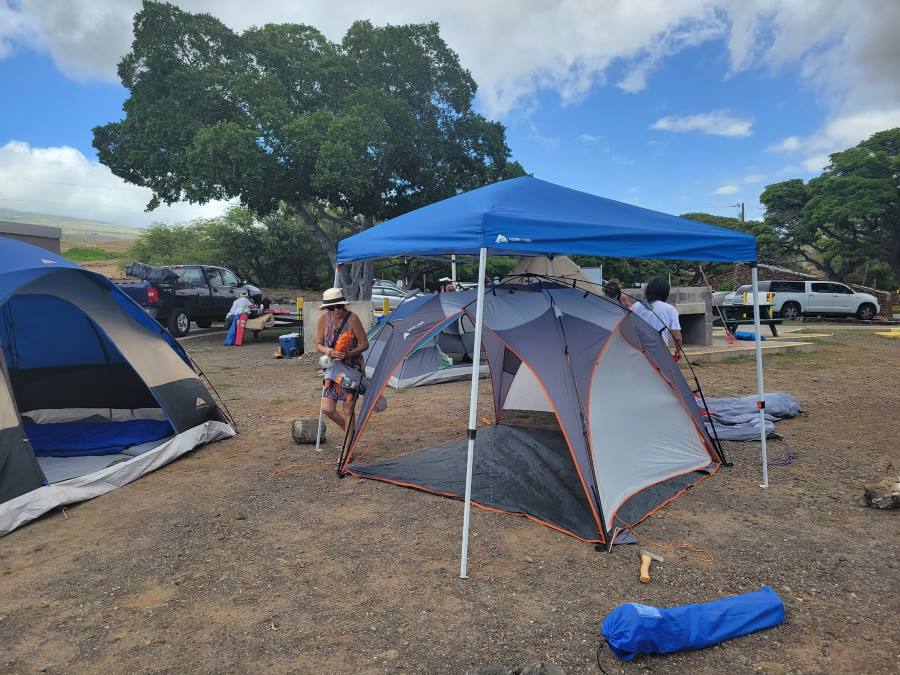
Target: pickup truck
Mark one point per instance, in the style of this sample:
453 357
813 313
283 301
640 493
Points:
185 293
793 299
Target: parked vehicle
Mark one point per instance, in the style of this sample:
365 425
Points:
178 294
793 299
382 289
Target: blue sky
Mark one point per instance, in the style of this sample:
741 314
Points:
693 107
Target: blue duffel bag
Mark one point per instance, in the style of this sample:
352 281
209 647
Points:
633 629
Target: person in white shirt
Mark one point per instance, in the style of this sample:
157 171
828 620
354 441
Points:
663 317
239 306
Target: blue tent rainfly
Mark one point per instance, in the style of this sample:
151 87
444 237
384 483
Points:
527 216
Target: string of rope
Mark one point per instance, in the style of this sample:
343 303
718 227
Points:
792 456
728 333
307 465
704 555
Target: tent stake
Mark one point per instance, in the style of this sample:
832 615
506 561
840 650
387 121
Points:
761 396
473 411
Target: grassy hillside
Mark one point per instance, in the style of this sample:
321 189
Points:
75 230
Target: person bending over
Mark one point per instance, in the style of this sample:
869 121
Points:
339 336
240 306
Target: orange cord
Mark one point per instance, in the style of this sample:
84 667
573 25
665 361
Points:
705 555
309 465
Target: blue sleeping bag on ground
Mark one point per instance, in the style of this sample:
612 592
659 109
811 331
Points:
76 439
633 629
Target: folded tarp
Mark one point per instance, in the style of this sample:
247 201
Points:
737 419
77 439
633 629
778 406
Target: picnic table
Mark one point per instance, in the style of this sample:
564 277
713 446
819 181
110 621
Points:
737 315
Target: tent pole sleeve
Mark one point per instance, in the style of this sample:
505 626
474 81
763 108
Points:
761 396
473 412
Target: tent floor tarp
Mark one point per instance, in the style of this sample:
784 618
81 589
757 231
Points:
518 470
57 469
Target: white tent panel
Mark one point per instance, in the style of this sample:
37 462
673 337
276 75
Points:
525 393
640 432
30 505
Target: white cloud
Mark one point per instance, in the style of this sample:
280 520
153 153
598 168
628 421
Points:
725 190
751 178
789 144
840 133
715 123
62 181
848 51
589 138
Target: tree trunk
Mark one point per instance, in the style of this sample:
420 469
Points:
354 279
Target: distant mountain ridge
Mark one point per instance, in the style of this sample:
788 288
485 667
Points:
74 229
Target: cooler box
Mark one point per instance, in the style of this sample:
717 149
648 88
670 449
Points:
291 345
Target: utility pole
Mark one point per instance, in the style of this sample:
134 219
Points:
741 205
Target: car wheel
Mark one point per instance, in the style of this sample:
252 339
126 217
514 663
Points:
205 323
866 312
179 323
790 311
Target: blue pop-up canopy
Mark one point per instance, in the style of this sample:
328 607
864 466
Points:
528 216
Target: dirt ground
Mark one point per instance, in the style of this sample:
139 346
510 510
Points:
217 564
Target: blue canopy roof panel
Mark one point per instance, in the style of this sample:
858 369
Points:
527 216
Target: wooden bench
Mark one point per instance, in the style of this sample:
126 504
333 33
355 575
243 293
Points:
742 315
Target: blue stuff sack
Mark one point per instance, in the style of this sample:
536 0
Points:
633 629
749 337
231 335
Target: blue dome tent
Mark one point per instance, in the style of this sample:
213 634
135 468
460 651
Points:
93 392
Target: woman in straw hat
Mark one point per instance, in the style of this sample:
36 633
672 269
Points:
340 337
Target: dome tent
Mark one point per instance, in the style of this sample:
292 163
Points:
627 437
443 355
93 392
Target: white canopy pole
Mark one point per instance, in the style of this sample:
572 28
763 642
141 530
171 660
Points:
761 396
453 269
473 411
337 276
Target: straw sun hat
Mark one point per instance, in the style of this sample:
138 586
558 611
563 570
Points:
333 297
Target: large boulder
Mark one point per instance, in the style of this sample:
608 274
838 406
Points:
884 493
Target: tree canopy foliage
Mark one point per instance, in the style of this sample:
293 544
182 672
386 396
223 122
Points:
345 134
845 222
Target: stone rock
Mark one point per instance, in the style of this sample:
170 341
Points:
542 668
304 431
884 493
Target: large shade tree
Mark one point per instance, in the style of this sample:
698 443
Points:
847 219
345 134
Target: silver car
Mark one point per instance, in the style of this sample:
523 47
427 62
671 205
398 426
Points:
394 294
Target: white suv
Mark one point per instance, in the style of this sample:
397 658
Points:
792 299
382 289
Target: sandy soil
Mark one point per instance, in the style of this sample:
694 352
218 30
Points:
217 564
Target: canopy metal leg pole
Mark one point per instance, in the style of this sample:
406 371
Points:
473 411
337 276
761 395
453 269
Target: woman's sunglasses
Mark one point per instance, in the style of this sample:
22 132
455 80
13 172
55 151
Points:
334 307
